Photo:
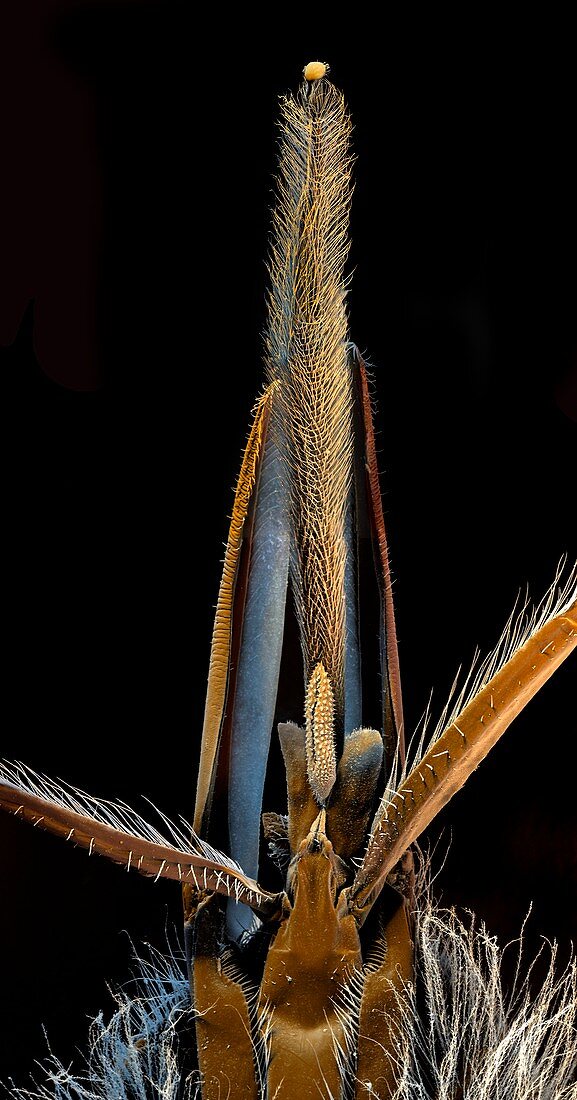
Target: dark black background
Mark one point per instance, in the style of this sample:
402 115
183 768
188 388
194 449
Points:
137 160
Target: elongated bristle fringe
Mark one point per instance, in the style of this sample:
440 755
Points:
118 815
347 1005
462 1034
306 347
138 1054
523 622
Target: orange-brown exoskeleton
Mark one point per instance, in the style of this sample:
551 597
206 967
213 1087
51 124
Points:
298 988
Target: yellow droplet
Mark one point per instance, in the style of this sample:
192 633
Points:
315 70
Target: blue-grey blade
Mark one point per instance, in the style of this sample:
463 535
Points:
258 672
